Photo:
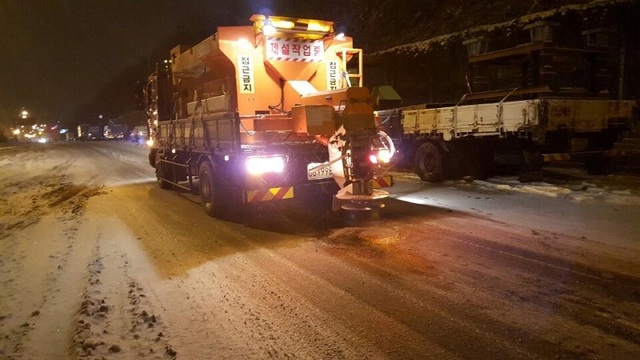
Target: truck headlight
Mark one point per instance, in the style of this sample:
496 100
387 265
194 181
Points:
263 165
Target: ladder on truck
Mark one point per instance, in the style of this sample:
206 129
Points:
347 55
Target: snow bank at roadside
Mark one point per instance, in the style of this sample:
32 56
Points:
577 191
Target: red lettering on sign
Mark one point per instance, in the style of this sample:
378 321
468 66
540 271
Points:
274 48
295 48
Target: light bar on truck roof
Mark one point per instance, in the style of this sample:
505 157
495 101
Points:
284 24
271 25
268 28
318 26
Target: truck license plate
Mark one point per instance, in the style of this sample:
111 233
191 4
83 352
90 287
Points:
315 171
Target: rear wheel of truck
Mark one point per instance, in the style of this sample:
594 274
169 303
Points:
430 163
597 165
532 164
208 191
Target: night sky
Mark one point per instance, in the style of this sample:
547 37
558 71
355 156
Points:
71 60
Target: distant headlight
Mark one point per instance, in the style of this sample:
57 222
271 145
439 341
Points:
263 165
42 140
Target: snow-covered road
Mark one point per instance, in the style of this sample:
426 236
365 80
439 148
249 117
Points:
98 262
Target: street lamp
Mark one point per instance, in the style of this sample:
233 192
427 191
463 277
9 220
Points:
24 114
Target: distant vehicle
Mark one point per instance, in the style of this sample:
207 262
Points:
95 132
139 134
90 132
115 131
83 132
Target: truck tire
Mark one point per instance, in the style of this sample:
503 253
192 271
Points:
208 189
429 163
160 175
531 169
597 165
152 157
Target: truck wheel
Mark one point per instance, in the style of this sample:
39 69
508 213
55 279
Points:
532 164
207 184
429 163
152 157
160 175
598 165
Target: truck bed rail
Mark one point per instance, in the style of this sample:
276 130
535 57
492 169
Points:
208 132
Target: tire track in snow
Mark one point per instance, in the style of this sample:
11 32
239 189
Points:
115 316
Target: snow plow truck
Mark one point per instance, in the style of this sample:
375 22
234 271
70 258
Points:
267 114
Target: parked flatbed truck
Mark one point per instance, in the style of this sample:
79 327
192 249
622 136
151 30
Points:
534 103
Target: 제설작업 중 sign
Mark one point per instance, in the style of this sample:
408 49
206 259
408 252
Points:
294 49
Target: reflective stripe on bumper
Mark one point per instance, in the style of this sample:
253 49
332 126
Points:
383 181
277 193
